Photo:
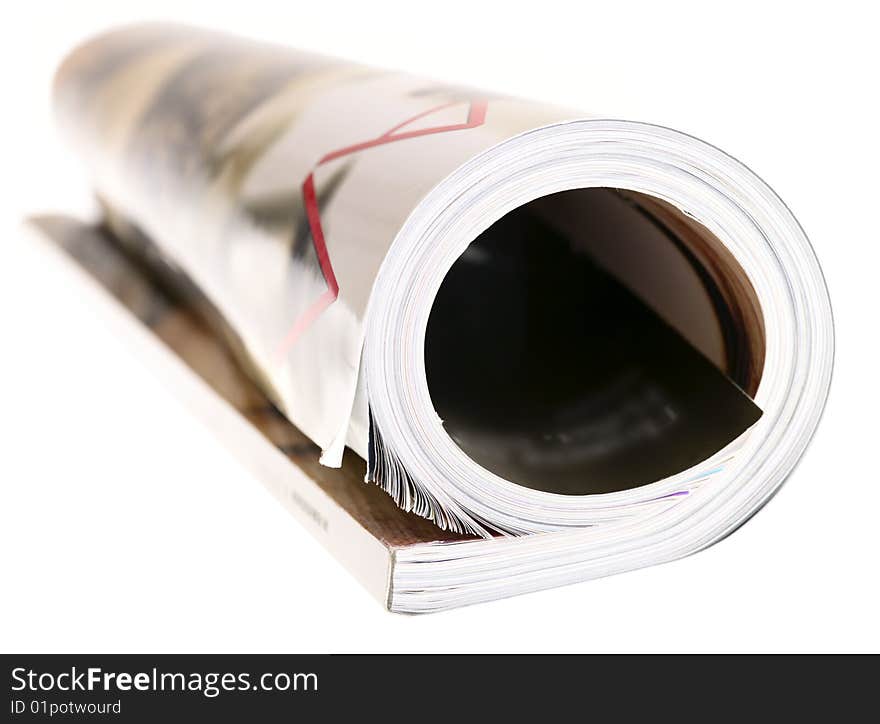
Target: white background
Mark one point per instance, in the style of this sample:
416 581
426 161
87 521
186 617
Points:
124 526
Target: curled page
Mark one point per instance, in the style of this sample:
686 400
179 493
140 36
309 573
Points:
524 319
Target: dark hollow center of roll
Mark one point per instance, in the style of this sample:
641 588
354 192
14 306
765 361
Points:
592 341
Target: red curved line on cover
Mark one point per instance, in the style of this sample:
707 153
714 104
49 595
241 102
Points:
476 117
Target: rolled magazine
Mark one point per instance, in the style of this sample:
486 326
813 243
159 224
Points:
520 318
